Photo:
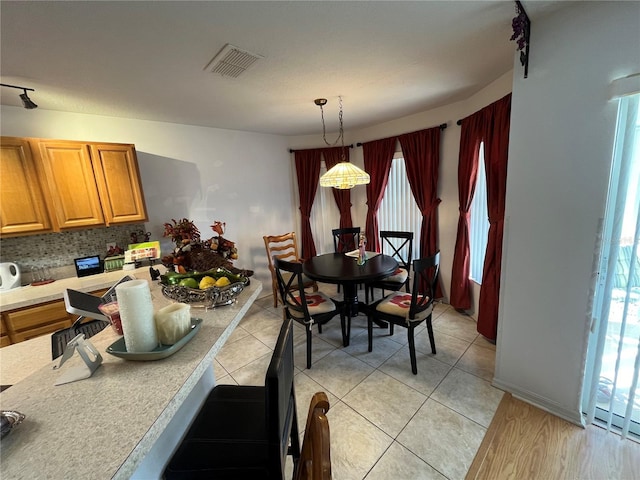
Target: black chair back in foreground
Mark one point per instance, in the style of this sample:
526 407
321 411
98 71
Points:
305 308
244 432
409 309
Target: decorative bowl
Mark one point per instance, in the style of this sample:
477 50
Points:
210 297
10 419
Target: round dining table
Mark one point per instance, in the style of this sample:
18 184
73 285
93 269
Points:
340 268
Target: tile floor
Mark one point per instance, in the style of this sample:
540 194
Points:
386 423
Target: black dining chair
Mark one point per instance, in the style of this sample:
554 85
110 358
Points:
245 432
345 240
308 309
409 309
398 245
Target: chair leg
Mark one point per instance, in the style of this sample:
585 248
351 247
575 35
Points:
343 327
431 339
370 331
308 347
412 350
391 325
275 295
319 328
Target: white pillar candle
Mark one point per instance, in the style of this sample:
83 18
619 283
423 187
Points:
136 314
173 322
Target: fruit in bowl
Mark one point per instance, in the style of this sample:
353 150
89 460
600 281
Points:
212 288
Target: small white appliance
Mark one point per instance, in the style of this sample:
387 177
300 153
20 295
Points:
9 276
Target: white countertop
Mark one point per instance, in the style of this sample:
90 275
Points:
104 426
31 295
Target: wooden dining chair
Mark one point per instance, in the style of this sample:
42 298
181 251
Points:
308 309
315 458
398 245
245 432
409 309
284 247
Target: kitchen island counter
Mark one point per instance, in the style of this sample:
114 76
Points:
126 419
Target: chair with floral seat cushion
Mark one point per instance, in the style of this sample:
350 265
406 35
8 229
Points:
303 307
284 247
409 309
398 245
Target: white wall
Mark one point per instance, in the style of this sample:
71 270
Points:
448 176
248 179
204 174
561 140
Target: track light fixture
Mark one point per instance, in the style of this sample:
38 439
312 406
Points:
26 101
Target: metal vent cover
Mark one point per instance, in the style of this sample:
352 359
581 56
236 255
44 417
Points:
231 61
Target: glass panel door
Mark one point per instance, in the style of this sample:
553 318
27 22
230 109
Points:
612 393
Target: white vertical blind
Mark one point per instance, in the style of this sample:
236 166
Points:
398 209
611 380
479 223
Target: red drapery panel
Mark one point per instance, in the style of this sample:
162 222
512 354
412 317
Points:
308 173
377 163
421 151
332 156
495 157
470 139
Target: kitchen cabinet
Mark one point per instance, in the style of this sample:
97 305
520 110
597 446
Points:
72 185
45 318
32 322
119 185
68 185
4 335
22 205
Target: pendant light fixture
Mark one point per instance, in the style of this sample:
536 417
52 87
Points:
344 174
26 101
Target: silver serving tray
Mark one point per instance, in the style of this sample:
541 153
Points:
10 419
211 297
119 348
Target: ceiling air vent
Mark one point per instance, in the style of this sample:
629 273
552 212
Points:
231 61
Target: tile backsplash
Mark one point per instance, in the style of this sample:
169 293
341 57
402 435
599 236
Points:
56 251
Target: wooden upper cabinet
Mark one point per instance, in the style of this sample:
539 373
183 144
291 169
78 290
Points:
118 179
74 192
22 206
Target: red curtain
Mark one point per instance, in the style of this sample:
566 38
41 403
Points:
332 156
308 173
496 151
470 139
421 151
377 163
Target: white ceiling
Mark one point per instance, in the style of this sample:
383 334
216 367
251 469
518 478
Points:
146 59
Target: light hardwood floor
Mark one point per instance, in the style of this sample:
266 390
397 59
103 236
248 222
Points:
524 442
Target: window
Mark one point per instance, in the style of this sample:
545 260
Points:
325 216
479 228
398 209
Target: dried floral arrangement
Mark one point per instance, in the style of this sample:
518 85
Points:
191 253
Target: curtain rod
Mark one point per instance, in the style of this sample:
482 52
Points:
291 150
442 126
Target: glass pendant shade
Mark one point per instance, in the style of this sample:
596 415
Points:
344 175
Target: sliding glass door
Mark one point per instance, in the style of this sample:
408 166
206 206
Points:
612 393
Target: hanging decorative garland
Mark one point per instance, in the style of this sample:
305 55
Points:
521 34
